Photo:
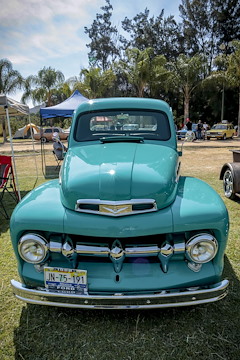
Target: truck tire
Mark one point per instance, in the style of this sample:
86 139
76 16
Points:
228 185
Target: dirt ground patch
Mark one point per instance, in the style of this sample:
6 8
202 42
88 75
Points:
27 145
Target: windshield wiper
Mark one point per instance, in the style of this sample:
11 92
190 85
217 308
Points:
122 139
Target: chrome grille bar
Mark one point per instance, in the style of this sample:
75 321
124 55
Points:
130 251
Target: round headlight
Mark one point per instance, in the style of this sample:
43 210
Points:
32 248
201 248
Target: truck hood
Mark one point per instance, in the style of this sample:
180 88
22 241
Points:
119 172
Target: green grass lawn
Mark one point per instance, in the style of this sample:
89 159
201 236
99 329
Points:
207 332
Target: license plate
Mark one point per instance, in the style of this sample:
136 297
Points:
70 281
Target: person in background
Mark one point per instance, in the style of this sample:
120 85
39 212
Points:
199 130
58 146
205 128
236 130
188 124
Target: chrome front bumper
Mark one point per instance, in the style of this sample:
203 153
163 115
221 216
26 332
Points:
162 299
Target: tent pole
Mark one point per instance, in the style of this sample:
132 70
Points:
31 130
13 157
42 149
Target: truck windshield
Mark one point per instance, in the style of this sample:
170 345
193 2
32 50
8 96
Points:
152 125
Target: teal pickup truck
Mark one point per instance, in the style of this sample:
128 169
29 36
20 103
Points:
121 228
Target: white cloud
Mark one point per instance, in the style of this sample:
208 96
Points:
25 41
37 33
19 12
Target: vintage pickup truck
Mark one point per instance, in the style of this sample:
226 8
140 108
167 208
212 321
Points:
121 229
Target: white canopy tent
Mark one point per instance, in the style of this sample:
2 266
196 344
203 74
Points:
13 107
10 107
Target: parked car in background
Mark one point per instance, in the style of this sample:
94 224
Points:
182 133
47 134
121 228
221 131
131 127
230 174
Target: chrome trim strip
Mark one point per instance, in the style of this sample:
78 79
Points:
118 212
55 246
160 300
152 250
92 250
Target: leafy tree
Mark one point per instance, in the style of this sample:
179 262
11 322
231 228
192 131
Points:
199 28
161 34
227 14
207 24
103 35
10 81
210 97
233 73
186 74
45 86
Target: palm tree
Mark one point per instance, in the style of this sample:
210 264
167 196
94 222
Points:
45 83
186 73
28 83
143 71
93 82
137 69
10 81
62 93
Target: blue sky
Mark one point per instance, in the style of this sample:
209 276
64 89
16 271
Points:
38 33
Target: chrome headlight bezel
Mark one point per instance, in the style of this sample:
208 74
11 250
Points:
38 244
207 242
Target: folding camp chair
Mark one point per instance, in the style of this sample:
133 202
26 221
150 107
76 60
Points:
7 182
58 161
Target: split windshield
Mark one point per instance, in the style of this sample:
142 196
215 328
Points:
152 125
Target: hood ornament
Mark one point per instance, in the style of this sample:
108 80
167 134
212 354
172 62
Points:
117 255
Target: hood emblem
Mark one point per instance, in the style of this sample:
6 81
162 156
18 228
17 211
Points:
115 209
117 255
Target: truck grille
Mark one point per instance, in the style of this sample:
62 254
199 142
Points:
158 248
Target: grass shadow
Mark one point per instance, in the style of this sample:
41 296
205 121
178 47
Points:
203 332
9 204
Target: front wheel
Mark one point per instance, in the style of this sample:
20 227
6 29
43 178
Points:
224 137
228 184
